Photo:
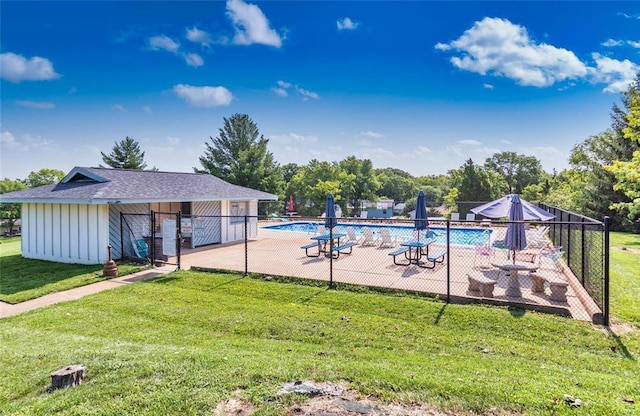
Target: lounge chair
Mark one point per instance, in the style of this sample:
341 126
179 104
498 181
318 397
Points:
351 235
537 238
386 240
471 216
368 238
455 216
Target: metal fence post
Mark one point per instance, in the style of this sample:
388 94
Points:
330 256
178 236
607 221
584 254
448 261
121 236
246 247
153 238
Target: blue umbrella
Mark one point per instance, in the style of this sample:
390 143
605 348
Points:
516 238
330 219
501 208
421 222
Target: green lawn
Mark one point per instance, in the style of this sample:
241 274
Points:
182 343
624 270
23 279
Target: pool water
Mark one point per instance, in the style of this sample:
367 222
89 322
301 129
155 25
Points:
459 236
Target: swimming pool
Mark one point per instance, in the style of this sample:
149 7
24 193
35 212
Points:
459 236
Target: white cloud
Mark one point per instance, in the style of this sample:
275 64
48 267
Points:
306 94
193 59
487 86
163 42
618 75
119 107
347 24
364 142
27 142
146 109
36 104
497 46
251 25
199 36
612 42
280 91
17 68
629 16
469 142
7 139
283 86
173 141
293 138
203 97
634 44
423 150
371 134
506 142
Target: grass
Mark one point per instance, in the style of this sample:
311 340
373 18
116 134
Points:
24 279
624 270
182 343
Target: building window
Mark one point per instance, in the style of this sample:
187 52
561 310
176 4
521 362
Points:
237 212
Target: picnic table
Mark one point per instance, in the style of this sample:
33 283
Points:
320 241
415 250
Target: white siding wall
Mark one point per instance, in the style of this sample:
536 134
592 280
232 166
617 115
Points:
208 213
66 233
234 231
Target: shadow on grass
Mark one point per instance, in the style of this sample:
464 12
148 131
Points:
516 312
20 274
620 347
440 314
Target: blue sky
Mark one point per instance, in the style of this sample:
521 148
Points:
420 86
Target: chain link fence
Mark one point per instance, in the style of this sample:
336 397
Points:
465 261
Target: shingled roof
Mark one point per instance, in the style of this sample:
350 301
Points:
105 185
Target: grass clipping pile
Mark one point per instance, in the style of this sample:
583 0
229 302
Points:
335 400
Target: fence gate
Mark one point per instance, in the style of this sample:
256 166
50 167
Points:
166 239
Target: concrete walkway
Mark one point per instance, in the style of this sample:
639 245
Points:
7 309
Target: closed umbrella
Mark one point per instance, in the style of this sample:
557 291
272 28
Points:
291 204
421 221
330 220
516 237
500 208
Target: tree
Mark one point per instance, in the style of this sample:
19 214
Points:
472 183
239 155
627 172
10 212
314 182
395 184
44 177
125 155
362 184
518 171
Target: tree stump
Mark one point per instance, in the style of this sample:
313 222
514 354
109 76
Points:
68 377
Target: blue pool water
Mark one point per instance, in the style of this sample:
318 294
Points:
459 236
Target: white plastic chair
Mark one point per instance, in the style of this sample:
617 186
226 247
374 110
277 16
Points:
368 238
385 238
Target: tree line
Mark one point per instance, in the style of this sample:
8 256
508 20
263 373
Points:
603 177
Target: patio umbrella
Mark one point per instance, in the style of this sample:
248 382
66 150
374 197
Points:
330 220
500 208
291 204
420 221
516 238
